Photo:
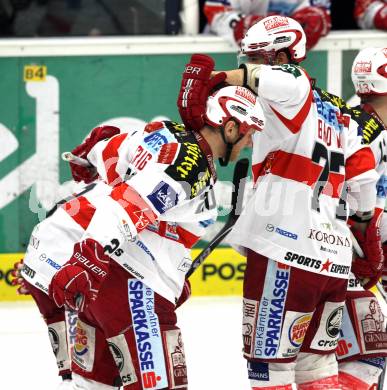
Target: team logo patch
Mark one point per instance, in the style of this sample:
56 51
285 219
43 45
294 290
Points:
81 344
334 322
163 197
117 356
347 345
276 22
298 330
371 325
271 310
168 153
294 330
258 371
155 140
250 312
148 336
121 355
363 67
381 187
54 339
83 349
176 357
326 337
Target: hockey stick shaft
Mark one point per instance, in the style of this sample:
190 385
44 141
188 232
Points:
240 174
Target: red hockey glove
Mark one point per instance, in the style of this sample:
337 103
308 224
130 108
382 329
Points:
77 283
185 293
369 269
18 279
245 22
316 23
380 19
100 133
195 87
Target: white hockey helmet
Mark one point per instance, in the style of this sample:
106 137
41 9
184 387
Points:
236 103
270 35
369 71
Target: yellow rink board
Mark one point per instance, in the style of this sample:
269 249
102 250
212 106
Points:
220 274
8 292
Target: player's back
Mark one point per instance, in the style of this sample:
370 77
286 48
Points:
301 160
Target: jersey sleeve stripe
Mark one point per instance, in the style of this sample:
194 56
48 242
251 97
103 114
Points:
110 157
135 206
80 210
361 161
294 125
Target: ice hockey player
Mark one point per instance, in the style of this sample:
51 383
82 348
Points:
362 347
294 228
132 256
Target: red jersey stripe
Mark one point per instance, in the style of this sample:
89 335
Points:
294 125
110 157
80 210
299 168
361 161
295 167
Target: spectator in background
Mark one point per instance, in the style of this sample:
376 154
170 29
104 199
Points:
371 14
232 18
343 17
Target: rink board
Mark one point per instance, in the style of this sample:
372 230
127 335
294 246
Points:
221 274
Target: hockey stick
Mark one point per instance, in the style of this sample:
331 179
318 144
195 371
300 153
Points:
240 173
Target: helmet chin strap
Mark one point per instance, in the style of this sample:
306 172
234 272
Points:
223 161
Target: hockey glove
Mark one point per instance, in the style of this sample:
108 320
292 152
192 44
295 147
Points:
369 269
77 283
316 23
185 293
18 279
245 22
380 19
195 87
100 133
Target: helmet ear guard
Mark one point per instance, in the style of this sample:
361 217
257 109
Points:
369 72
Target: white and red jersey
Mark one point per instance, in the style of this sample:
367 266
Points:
301 160
156 204
223 14
365 11
374 134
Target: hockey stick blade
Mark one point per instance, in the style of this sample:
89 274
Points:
240 173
